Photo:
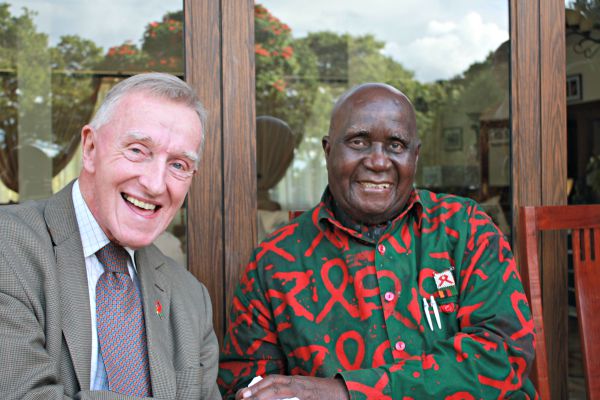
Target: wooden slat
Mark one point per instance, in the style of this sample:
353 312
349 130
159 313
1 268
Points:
556 217
205 207
239 139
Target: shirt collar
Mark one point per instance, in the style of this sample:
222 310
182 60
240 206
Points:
93 237
327 212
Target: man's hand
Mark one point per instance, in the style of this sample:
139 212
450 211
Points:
303 387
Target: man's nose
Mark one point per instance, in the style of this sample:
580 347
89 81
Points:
377 159
153 177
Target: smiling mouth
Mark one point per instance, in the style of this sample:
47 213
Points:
372 185
139 203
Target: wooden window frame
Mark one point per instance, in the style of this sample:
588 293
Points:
219 43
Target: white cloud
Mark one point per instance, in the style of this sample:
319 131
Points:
447 48
441 27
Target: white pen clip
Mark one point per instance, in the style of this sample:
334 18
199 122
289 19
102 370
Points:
436 312
426 308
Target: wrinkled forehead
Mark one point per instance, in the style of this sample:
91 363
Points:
366 102
368 96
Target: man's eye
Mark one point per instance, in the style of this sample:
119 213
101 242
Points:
357 142
396 146
180 166
135 153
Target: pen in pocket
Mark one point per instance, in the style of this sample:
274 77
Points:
436 312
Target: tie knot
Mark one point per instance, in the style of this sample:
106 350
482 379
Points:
114 258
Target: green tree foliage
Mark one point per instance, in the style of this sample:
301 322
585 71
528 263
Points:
41 85
74 91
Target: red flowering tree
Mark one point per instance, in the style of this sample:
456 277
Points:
280 62
163 43
161 49
125 57
274 52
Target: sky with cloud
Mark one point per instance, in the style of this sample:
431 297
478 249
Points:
437 39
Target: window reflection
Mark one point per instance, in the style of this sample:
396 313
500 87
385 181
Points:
582 22
582 28
58 59
452 62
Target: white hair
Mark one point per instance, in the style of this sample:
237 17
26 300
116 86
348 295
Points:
157 84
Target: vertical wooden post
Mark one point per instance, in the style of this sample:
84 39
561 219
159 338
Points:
205 203
539 153
219 44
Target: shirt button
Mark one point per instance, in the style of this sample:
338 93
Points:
389 296
400 346
381 249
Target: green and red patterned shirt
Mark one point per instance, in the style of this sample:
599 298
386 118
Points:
434 308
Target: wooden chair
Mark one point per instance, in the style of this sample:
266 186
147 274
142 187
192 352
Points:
584 223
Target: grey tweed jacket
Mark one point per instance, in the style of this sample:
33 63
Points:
45 328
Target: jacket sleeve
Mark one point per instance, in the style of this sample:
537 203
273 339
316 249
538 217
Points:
31 372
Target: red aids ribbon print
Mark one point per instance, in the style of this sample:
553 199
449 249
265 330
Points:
444 279
337 293
341 350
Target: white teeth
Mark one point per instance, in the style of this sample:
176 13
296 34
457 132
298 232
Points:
140 204
376 185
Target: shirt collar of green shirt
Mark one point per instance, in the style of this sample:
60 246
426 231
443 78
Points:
329 212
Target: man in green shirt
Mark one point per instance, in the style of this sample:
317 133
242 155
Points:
381 291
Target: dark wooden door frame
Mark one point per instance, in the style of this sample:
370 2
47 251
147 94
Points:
219 41
539 153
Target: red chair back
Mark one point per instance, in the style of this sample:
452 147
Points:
583 221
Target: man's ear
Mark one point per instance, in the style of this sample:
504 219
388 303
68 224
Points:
326 145
88 148
417 153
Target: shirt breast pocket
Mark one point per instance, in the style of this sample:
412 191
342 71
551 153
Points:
445 322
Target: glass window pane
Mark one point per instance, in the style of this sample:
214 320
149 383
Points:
583 100
451 61
582 28
57 61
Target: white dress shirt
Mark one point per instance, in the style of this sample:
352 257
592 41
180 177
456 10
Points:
93 239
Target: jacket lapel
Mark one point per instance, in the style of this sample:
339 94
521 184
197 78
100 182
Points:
76 321
156 297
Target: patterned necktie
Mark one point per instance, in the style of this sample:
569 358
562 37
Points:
121 328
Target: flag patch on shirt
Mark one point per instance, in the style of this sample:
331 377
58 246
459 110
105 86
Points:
444 279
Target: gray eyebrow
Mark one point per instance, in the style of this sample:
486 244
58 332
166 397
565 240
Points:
191 155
